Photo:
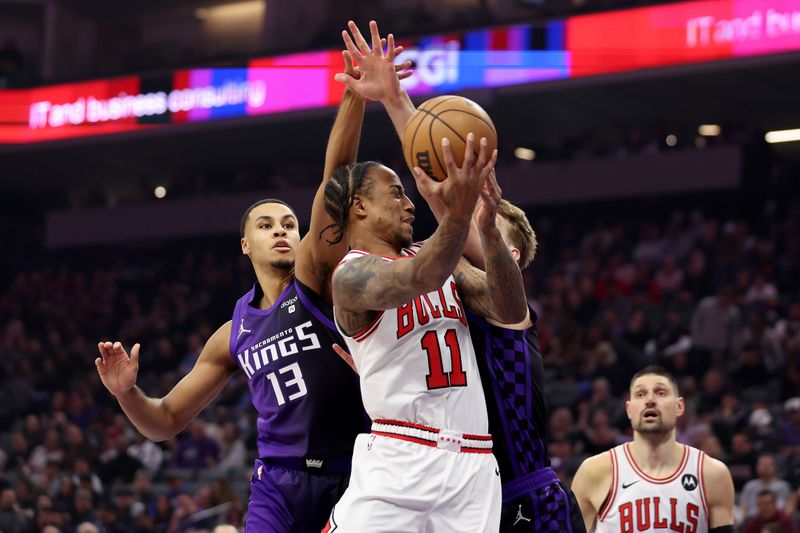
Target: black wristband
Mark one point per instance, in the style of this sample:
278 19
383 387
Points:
722 529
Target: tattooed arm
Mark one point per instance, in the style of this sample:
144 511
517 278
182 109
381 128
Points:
499 294
369 284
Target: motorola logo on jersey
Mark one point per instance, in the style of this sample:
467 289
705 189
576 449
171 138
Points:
689 482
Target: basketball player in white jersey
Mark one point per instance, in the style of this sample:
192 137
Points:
654 483
427 465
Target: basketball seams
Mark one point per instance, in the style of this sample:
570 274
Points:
430 113
470 114
421 120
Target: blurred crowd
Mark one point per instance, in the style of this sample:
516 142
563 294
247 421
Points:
713 298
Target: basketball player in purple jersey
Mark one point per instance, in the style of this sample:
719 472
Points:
509 359
308 401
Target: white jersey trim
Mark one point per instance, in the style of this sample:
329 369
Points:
655 480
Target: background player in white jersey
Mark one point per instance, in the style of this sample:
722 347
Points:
654 483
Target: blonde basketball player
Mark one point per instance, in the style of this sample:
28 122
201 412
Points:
654 483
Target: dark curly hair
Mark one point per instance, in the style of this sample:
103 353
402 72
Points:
340 191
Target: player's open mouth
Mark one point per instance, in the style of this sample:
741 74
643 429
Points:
281 246
650 414
409 221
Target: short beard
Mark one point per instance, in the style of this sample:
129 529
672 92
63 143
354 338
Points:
283 264
405 242
659 428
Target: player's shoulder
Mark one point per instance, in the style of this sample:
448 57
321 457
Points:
714 470
597 468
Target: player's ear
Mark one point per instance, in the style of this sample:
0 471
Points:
358 207
245 246
515 253
681 405
628 408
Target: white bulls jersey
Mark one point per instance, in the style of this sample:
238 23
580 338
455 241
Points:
638 502
417 363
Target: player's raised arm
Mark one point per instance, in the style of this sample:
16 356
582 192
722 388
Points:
371 284
316 256
159 419
377 80
720 500
499 293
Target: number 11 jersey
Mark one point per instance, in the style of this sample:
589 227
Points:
417 363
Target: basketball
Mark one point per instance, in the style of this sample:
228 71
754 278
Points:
444 116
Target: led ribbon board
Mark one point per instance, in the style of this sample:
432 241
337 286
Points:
585 45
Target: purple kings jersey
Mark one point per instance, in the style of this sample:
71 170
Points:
307 398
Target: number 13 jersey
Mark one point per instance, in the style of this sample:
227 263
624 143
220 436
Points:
417 363
306 397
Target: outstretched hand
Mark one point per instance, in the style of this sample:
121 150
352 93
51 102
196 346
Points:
460 191
117 370
368 70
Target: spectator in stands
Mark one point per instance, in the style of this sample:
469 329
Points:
233 452
83 508
715 324
196 450
742 460
148 453
766 480
790 429
116 463
11 516
50 451
768 513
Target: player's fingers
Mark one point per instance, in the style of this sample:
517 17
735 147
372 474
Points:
135 353
491 163
469 152
495 186
358 38
118 349
404 75
345 356
347 57
449 160
98 362
482 155
377 49
405 65
350 45
390 51
398 50
425 182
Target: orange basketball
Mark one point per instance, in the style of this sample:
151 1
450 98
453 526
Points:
444 116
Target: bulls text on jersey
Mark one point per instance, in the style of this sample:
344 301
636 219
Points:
422 309
656 513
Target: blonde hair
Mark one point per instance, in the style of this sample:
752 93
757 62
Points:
520 232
